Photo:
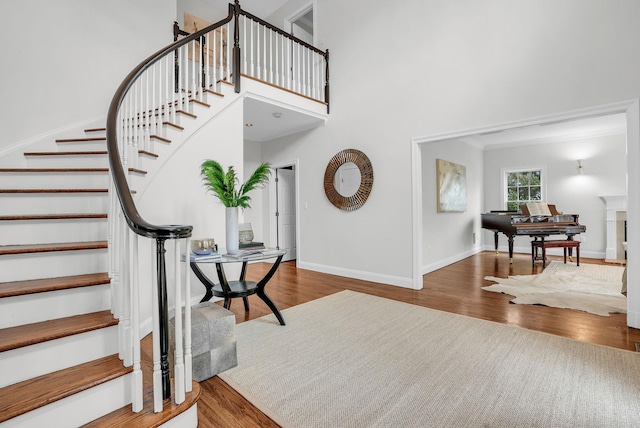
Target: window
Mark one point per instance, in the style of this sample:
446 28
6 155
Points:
522 186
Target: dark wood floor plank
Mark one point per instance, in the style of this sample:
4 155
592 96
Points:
455 288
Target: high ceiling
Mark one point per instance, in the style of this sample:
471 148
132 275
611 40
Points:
550 133
261 8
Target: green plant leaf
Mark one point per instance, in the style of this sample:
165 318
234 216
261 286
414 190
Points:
224 185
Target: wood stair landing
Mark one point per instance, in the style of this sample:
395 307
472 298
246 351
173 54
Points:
147 418
23 397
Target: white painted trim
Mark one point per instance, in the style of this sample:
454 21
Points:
288 20
295 163
543 181
50 134
633 212
397 281
416 204
446 262
630 108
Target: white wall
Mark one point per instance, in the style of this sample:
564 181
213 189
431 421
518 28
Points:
442 67
448 237
178 196
604 161
63 60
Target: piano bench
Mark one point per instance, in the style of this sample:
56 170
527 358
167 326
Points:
543 245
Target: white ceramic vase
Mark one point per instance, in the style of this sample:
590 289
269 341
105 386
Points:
231 222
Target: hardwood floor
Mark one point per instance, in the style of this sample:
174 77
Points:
455 288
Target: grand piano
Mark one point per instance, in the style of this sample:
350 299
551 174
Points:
524 223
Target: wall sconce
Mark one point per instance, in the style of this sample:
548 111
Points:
580 169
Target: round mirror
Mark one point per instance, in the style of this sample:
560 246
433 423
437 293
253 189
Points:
348 179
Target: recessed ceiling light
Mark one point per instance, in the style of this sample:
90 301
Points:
277 115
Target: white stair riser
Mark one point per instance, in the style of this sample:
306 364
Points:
53 203
52 231
76 146
50 265
54 180
68 161
78 409
28 362
32 308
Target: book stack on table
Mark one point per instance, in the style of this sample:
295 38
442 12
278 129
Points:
251 245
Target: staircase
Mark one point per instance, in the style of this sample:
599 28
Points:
58 338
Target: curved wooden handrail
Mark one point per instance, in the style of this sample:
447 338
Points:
131 214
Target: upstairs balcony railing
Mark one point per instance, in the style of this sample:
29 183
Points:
162 87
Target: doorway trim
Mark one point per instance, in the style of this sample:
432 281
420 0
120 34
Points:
290 19
273 204
631 109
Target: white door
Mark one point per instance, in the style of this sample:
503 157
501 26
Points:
286 214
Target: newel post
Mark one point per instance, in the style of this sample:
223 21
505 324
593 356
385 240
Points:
163 316
326 83
236 45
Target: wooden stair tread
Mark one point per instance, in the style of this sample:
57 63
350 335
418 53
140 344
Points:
77 153
39 332
52 216
53 190
173 125
159 138
32 286
95 130
124 417
45 248
211 91
40 170
34 393
54 169
202 103
146 153
80 140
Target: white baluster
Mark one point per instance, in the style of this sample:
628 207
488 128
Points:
253 74
230 42
244 44
136 382
188 358
288 63
125 320
179 385
193 94
157 372
271 56
207 45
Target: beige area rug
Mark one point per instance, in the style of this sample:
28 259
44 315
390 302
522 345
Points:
588 287
355 360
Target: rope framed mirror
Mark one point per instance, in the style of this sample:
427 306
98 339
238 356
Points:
348 179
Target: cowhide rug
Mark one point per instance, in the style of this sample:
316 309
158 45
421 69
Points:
588 287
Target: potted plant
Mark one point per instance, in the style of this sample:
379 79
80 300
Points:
224 186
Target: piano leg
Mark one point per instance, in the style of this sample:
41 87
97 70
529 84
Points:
511 249
495 240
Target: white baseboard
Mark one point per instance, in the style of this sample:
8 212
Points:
357 274
449 260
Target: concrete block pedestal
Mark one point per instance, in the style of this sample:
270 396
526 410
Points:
213 340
